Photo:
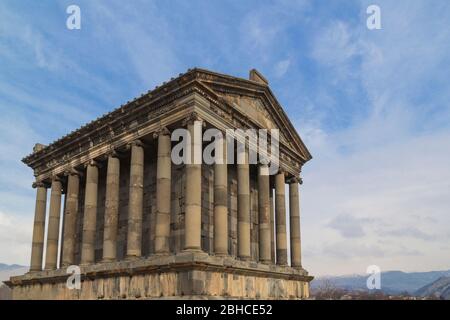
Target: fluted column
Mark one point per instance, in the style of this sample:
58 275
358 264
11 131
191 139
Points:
37 248
163 191
90 214
221 198
243 189
193 217
70 218
294 208
280 210
264 213
111 208
51 254
135 202
272 226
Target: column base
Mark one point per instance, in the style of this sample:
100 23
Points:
132 258
244 258
195 250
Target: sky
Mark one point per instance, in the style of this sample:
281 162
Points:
372 106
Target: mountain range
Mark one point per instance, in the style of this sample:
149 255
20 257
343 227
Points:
439 288
7 271
392 282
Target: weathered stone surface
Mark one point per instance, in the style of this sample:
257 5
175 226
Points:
280 211
37 249
51 254
90 214
70 218
186 275
111 216
135 201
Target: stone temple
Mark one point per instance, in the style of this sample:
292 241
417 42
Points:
142 227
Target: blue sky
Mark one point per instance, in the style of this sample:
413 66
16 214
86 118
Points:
371 105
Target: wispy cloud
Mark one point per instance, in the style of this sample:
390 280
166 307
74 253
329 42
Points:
349 226
15 238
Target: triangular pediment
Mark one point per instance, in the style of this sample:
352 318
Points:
256 102
254 109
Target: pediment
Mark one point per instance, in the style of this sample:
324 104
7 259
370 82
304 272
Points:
257 103
254 109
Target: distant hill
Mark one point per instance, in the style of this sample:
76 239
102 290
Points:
439 288
10 266
392 282
7 271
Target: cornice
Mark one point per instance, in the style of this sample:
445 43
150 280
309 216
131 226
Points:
131 117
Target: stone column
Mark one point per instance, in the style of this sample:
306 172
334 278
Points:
37 248
193 217
163 191
294 210
264 213
135 202
221 198
90 214
70 218
272 226
280 210
111 208
243 190
51 254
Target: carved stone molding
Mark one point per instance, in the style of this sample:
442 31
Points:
40 184
191 118
92 162
73 172
137 143
294 180
162 131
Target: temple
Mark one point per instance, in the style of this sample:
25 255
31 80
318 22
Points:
142 227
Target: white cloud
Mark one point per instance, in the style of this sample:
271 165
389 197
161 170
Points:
15 238
282 67
349 226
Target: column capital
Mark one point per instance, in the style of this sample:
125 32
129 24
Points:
163 131
294 179
136 142
112 152
191 118
262 164
57 178
40 184
93 163
72 172
283 172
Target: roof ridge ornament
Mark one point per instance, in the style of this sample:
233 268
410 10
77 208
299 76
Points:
256 76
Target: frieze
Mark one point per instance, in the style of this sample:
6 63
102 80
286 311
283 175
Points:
147 108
